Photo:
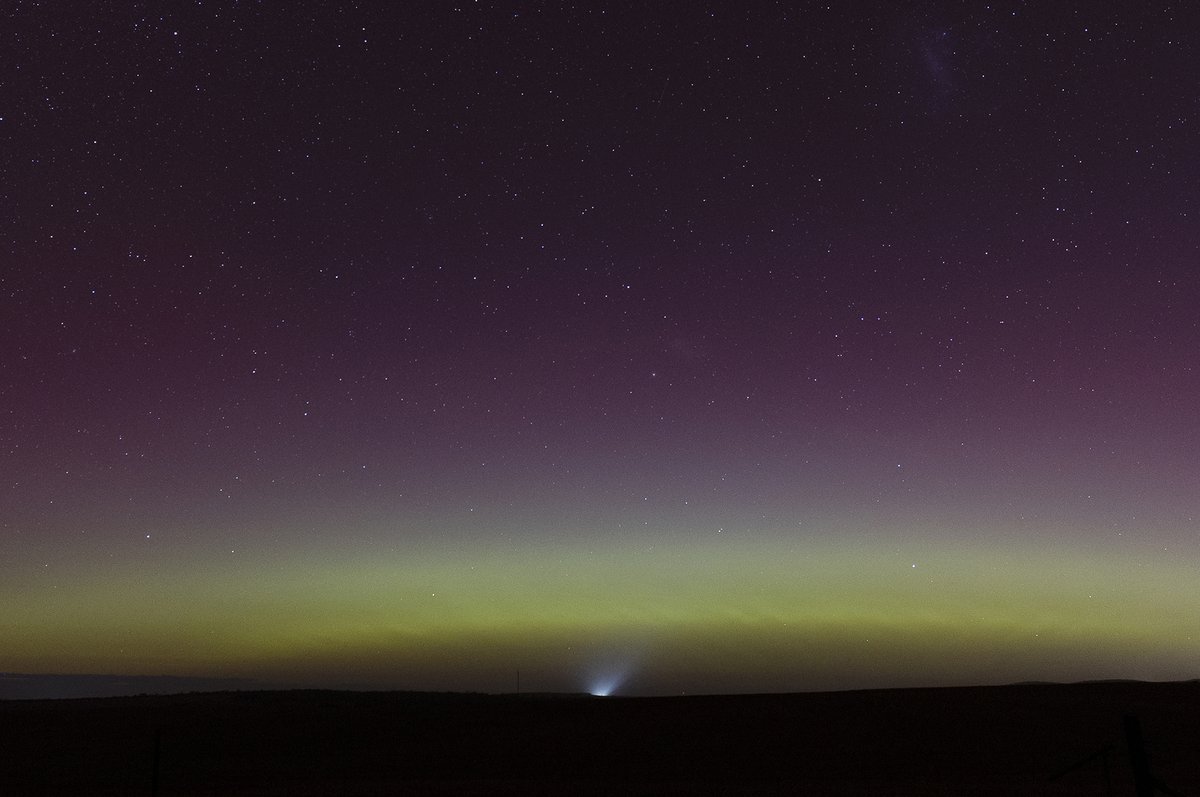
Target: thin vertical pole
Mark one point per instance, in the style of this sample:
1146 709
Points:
1143 781
157 757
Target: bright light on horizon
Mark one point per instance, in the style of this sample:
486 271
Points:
607 683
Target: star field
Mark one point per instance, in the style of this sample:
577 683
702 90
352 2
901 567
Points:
676 348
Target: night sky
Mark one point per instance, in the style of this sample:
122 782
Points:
647 347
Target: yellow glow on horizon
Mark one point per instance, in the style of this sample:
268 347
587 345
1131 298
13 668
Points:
870 611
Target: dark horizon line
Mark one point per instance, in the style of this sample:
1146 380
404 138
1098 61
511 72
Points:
69 686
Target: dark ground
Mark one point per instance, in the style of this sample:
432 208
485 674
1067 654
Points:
985 740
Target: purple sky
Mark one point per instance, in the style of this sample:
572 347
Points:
308 311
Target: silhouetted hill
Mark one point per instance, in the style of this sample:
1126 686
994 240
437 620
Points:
983 741
22 686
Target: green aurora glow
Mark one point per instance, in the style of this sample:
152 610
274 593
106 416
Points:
666 613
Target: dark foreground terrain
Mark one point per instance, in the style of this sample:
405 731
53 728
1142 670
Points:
987 740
